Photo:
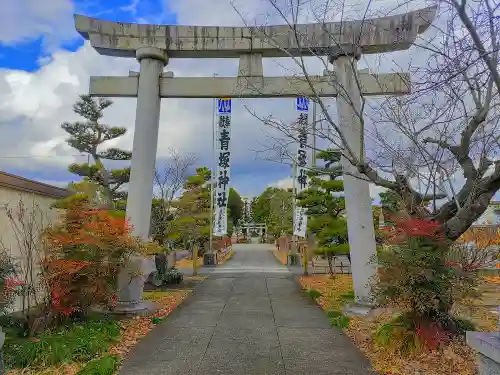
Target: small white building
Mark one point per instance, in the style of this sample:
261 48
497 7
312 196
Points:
25 211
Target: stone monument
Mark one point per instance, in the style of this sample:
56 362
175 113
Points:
343 42
487 346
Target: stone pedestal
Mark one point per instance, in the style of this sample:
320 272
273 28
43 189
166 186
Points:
171 260
356 188
487 346
358 310
139 308
210 259
292 260
131 281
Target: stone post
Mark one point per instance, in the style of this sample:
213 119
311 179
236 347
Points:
195 260
356 190
147 119
487 346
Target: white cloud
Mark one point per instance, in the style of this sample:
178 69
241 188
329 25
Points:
132 7
217 13
375 192
61 184
26 20
285 183
33 106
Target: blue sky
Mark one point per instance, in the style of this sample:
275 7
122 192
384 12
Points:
26 54
31 54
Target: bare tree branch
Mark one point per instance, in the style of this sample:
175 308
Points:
168 182
417 145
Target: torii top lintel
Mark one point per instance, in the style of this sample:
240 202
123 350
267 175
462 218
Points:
385 34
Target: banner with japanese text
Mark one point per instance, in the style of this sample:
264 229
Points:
301 178
222 176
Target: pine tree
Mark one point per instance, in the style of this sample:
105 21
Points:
235 208
391 201
274 207
325 209
192 222
88 136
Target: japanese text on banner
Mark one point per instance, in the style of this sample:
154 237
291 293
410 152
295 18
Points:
301 178
223 159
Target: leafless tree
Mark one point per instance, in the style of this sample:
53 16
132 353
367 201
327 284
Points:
169 180
414 145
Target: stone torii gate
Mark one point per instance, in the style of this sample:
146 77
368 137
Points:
342 42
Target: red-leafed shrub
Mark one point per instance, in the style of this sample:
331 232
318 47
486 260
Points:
85 255
9 283
431 335
418 277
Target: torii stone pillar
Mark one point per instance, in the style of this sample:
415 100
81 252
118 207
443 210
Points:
147 119
356 189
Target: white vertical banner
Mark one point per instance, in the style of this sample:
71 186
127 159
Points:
222 176
301 179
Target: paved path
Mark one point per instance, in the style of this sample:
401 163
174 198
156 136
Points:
249 317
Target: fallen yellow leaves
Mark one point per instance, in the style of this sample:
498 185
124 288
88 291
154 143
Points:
281 256
492 279
196 278
187 263
229 255
136 328
456 358
66 369
331 288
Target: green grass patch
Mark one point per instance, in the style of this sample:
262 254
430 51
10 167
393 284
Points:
314 294
157 320
78 341
348 297
102 366
464 325
337 319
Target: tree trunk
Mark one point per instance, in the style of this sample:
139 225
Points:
105 182
467 215
329 257
455 222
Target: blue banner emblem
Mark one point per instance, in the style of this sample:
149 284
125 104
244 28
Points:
224 105
302 104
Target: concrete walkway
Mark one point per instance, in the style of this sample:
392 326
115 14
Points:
248 317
